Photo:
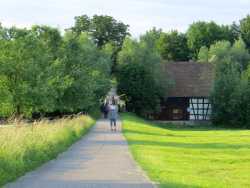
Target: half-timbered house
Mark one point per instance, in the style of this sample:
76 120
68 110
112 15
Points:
188 98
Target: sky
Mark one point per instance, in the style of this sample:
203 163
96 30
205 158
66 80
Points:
141 15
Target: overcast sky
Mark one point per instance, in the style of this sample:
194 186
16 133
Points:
141 15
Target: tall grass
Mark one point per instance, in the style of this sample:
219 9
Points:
25 147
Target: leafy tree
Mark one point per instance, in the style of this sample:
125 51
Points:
82 24
205 34
203 55
230 93
152 37
173 46
105 30
42 72
26 66
240 54
89 71
222 97
140 76
235 31
219 50
142 93
51 38
245 30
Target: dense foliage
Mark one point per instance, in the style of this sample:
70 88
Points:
29 145
140 76
105 31
205 34
173 46
230 96
245 30
43 72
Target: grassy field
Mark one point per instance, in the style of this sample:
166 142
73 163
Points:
190 157
24 148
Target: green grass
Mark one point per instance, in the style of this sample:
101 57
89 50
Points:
24 148
190 157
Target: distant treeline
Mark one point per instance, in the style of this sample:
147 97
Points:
45 72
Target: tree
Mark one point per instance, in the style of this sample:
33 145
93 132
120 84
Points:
42 72
227 77
230 95
235 31
245 30
205 34
152 37
223 49
51 37
27 67
136 81
82 24
89 70
173 46
203 55
140 76
104 30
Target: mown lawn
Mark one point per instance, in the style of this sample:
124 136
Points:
24 148
190 157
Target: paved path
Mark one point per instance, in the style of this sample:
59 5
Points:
101 159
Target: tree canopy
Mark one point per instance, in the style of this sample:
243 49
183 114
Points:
173 46
230 95
245 30
103 29
140 76
207 33
43 72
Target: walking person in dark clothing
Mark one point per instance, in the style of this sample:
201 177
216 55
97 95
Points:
106 110
102 109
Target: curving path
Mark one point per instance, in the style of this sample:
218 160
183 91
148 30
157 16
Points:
100 159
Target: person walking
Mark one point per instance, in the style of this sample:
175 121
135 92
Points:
113 115
106 110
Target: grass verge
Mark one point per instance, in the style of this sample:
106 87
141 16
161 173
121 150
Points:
189 157
24 148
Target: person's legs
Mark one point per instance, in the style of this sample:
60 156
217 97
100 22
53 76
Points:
115 124
111 124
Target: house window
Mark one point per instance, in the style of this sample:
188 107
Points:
199 109
177 114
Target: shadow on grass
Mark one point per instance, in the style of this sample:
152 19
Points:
154 134
190 145
173 127
177 185
175 144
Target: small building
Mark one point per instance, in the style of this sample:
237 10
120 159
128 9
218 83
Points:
188 98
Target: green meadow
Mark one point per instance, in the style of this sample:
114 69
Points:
189 156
